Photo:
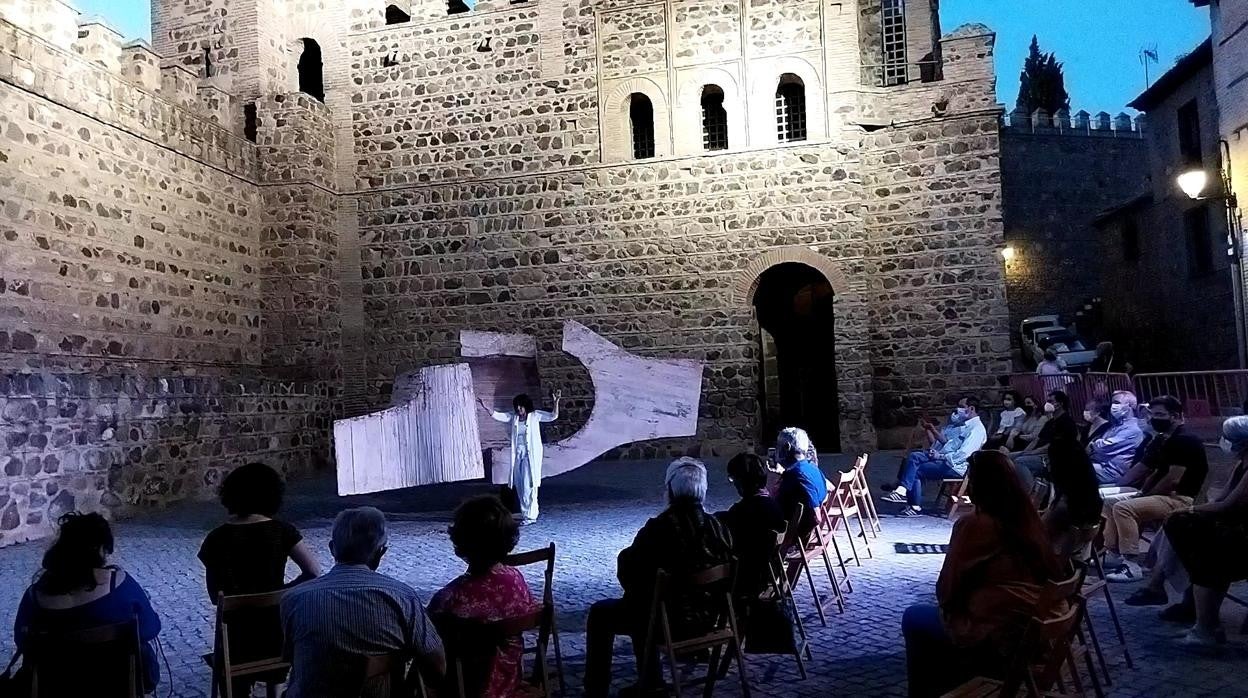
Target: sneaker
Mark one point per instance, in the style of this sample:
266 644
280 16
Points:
1147 597
1198 639
1113 561
1182 613
910 511
895 498
1129 572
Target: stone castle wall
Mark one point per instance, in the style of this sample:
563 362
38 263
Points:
138 282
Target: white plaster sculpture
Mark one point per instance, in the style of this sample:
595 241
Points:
432 437
635 399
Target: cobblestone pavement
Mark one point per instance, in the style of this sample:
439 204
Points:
591 514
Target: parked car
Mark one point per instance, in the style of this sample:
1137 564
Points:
1071 350
1028 328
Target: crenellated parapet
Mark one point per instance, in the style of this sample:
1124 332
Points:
120 84
1081 123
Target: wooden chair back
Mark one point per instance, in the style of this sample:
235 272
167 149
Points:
478 639
1049 647
112 653
403 684
258 613
549 632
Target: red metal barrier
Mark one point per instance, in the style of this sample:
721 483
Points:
1081 387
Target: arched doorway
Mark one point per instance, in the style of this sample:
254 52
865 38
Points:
797 365
311 70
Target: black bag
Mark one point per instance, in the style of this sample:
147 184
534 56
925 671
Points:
769 628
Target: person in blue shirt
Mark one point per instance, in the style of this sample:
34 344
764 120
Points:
801 481
1114 450
77 590
947 459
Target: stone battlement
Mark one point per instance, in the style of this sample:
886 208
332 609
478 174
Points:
1081 123
122 84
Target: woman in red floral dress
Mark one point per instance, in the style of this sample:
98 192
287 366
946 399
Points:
483 533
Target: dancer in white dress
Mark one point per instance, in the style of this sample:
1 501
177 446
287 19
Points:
526 449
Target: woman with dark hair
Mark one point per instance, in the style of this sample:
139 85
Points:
77 589
526 448
1012 416
485 532
998 560
1076 504
754 520
247 554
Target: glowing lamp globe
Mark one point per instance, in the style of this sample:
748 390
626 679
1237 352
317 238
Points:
1193 183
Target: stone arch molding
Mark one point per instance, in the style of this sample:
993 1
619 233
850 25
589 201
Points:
747 282
688 112
618 140
765 76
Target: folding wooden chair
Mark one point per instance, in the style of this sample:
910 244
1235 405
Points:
403 683
550 631
271 670
838 507
463 637
954 488
1092 562
862 494
112 653
717 582
796 558
781 591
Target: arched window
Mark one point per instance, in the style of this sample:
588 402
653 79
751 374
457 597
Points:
641 123
714 119
394 15
790 109
311 72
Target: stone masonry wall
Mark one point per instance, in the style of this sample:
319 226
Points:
133 291
1054 186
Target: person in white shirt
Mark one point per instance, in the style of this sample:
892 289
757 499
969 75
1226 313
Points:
526 449
936 464
1012 416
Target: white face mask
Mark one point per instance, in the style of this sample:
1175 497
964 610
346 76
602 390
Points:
1049 408
1088 415
1119 411
1226 445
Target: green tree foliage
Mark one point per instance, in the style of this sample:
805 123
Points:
1042 85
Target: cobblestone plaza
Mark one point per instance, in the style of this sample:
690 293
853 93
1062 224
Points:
591 514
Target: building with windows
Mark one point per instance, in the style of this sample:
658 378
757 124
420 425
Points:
1167 278
217 243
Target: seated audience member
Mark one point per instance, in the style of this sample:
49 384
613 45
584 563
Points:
998 560
247 554
1095 420
1025 433
483 534
1114 450
939 464
1211 540
333 622
1076 505
76 590
801 481
753 521
1060 425
1171 472
1012 417
1051 365
680 540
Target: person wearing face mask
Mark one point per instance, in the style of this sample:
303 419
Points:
1095 420
1170 469
1210 543
353 611
1031 462
1012 416
1025 433
1114 450
947 461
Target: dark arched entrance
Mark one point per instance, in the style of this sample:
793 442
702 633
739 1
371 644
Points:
797 364
311 71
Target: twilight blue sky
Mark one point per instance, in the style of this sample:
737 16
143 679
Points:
1098 40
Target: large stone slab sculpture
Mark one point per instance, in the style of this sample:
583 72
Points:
431 437
635 399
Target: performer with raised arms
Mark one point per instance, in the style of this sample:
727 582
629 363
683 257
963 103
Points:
526 449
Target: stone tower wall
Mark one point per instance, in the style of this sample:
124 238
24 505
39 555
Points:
135 288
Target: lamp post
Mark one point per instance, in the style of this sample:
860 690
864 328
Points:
1193 183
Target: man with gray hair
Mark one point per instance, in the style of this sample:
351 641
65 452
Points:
1113 451
801 481
680 540
334 622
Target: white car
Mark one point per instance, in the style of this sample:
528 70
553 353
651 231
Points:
1028 328
1071 350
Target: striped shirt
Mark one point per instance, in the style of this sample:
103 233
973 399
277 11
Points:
332 622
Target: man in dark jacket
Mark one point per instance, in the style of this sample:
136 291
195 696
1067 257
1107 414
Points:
680 540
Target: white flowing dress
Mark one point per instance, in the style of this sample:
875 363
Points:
526 456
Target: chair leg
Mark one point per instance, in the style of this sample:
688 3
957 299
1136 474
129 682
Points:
853 547
745 677
840 560
563 678
213 691
875 513
862 527
712 671
814 593
836 586
1113 615
1096 647
544 672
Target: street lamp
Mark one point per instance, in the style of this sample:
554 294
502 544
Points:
1008 252
1193 183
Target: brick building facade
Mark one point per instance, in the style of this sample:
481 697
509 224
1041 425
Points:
204 263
